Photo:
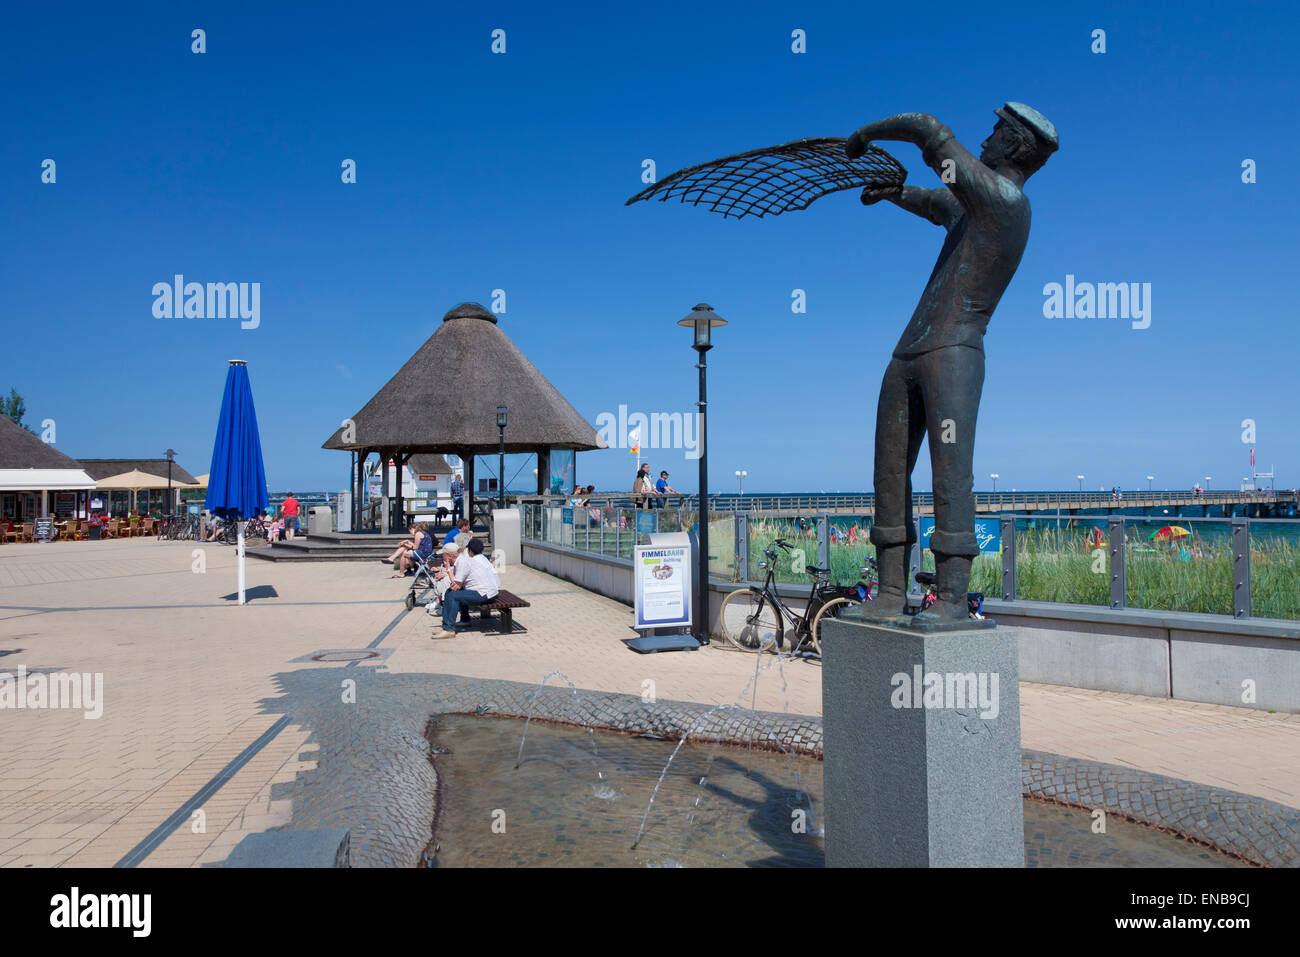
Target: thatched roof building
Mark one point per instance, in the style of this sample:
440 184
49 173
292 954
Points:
429 463
29 465
444 400
105 468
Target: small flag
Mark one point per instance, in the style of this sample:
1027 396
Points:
634 440
1252 458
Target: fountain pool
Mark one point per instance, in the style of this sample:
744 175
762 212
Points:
718 806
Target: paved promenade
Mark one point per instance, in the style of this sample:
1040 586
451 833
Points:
187 674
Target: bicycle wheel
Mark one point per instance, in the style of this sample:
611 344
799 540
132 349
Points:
832 609
748 619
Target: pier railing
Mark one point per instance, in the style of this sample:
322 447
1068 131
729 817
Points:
923 502
1237 566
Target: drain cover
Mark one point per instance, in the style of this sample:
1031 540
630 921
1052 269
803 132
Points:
345 656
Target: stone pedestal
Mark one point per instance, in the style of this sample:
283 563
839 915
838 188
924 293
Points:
928 775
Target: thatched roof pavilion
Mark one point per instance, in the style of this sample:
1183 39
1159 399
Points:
29 465
444 399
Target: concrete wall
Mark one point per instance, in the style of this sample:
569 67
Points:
1164 654
1187 656
611 577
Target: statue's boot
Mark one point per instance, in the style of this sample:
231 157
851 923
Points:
890 600
953 572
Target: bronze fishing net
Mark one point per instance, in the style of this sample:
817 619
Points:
776 179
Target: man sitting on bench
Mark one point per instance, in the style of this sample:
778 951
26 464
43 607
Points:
474 582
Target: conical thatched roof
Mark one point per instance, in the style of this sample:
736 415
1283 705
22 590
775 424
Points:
444 398
20 449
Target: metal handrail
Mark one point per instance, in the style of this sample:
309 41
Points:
535 529
921 500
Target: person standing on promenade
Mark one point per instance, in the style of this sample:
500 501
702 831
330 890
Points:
642 487
664 490
289 509
457 498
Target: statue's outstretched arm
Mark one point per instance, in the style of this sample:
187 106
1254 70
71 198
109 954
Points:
939 148
937 205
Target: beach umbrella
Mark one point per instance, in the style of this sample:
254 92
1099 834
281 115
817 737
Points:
1169 533
237 480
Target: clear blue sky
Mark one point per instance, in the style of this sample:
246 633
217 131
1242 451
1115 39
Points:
479 171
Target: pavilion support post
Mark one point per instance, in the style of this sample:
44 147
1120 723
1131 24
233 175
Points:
383 492
543 471
360 496
400 461
469 487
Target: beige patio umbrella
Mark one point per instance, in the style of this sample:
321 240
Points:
133 481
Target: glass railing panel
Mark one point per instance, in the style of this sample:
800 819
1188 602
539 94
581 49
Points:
1058 559
1275 570
789 565
1178 564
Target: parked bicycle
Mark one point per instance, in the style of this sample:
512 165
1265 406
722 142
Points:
755 617
175 528
974 599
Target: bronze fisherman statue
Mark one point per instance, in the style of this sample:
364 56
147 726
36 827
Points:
933 382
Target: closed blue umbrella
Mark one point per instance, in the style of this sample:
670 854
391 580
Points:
237 480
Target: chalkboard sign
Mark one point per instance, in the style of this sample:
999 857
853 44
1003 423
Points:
44 529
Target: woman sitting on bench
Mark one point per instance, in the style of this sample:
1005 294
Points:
421 544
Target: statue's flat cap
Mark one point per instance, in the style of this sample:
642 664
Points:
1030 117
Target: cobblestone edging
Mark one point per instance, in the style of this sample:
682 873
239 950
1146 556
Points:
374 774
1252 828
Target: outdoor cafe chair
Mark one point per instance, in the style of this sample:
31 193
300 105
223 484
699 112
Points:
28 531
10 533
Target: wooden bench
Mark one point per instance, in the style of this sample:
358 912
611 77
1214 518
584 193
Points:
505 602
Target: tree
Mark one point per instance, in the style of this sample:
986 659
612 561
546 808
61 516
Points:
15 408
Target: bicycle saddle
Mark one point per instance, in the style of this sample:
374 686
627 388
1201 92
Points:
927 578
814 570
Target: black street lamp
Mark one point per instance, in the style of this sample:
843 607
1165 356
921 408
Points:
702 319
171 454
501 457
